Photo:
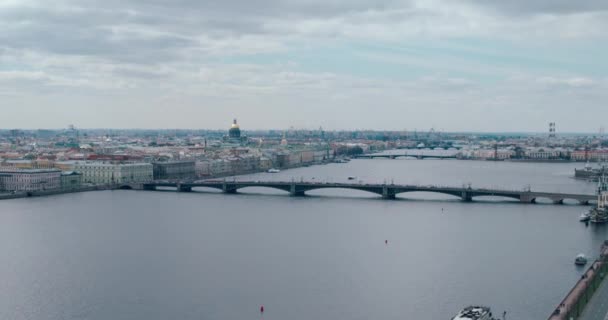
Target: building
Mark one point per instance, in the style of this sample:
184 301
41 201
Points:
173 170
70 180
589 155
114 173
235 131
28 180
234 135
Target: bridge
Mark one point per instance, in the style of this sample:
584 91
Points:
386 191
395 156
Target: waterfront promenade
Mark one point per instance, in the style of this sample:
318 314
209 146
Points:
597 308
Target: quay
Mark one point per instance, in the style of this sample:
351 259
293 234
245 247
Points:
387 191
588 299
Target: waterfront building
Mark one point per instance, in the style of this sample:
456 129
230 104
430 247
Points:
542 154
70 180
114 173
202 168
12 179
221 167
590 155
173 170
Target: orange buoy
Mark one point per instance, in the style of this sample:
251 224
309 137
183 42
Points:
262 309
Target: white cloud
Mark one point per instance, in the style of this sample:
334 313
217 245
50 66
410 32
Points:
156 53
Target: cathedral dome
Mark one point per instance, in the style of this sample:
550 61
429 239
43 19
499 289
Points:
235 130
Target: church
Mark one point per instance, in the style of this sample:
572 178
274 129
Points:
234 134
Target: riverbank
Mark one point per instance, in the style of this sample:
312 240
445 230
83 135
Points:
44 193
18 195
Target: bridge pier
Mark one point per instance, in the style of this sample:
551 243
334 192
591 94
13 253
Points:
227 188
584 202
181 188
388 193
558 201
526 198
294 192
466 196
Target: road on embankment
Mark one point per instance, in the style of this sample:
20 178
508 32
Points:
597 308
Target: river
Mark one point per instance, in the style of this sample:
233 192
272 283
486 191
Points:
204 255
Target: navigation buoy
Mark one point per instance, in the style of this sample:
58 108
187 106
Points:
385 241
262 309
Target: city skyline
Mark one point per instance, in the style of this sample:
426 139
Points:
458 66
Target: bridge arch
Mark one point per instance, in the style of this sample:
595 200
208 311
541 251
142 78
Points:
542 200
206 189
361 189
271 187
496 198
436 192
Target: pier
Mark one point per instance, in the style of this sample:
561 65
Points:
386 191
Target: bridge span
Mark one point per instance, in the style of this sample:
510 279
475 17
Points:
387 191
417 156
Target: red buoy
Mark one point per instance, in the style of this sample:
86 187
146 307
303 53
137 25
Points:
262 309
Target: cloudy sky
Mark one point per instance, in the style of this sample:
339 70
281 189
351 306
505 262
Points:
453 65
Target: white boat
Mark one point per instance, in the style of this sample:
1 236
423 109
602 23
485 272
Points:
585 216
273 170
474 313
580 260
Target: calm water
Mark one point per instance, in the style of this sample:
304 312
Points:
166 255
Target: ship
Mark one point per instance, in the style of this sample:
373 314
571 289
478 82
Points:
599 214
590 173
474 313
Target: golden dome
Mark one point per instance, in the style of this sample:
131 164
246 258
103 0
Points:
234 125
235 131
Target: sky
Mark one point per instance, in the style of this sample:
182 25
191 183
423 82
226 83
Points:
453 65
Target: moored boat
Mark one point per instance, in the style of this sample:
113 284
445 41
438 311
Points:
585 216
274 170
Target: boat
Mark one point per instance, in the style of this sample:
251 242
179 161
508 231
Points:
273 170
590 173
580 260
585 216
352 178
474 313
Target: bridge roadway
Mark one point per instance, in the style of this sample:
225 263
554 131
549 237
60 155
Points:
387 191
395 156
